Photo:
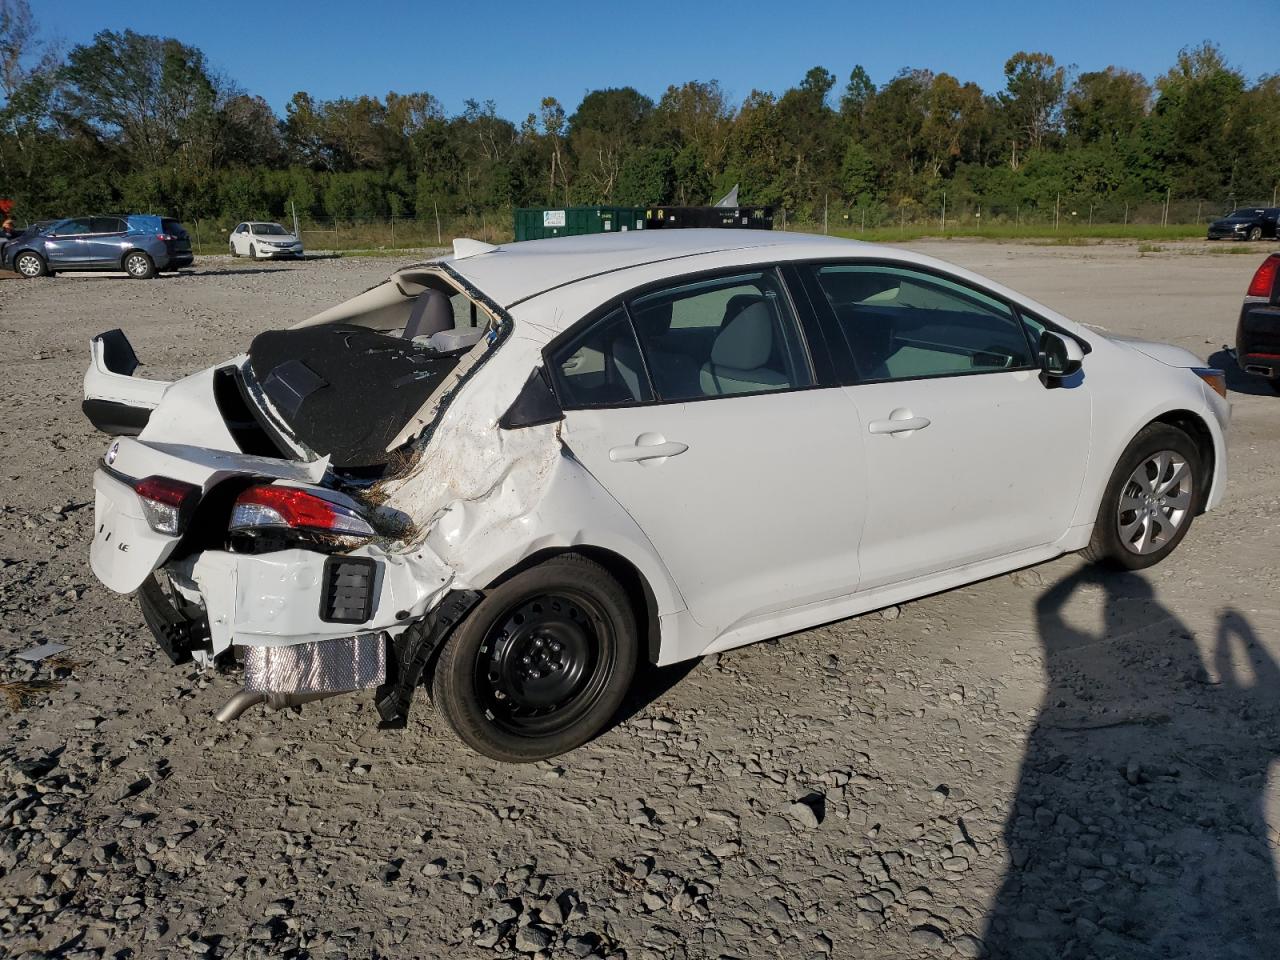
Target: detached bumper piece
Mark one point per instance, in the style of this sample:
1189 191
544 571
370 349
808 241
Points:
414 649
325 666
178 636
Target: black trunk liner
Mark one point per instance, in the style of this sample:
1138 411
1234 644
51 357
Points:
345 390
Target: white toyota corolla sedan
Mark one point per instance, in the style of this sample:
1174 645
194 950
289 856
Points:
263 241
510 474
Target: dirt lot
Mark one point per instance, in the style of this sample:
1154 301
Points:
1056 763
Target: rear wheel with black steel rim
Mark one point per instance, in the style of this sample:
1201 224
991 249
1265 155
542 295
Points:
1150 501
541 664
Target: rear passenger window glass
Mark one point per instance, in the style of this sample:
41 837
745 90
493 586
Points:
727 335
105 225
601 367
902 324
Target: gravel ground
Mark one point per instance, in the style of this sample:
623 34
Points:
1056 763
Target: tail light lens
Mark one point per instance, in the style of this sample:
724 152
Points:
167 503
1264 280
165 236
295 508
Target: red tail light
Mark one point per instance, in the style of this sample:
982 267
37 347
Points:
1265 279
165 236
167 503
296 508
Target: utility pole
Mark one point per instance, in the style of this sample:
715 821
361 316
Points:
1126 213
1091 214
1056 200
944 211
1168 192
825 198
436 208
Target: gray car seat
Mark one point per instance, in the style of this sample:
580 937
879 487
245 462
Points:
431 313
740 354
674 375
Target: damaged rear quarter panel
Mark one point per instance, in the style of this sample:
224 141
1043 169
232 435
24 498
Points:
482 498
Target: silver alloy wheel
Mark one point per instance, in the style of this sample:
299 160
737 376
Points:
137 265
1155 502
29 265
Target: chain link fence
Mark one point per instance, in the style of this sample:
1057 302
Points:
1071 216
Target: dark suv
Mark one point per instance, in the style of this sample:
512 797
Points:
1258 331
139 244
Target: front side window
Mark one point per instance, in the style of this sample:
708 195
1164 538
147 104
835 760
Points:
72 228
727 335
902 324
601 366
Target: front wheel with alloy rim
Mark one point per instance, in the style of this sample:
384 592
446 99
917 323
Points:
139 266
1255 233
30 265
1150 501
541 664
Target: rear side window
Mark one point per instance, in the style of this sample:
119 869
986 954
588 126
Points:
601 367
106 225
721 336
902 324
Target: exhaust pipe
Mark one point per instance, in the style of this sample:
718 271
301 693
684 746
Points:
243 700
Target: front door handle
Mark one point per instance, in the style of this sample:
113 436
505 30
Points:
900 421
648 446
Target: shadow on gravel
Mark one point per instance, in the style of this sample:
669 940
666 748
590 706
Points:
1138 829
1237 380
650 684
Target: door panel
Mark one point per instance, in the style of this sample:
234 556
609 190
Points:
66 249
103 244
995 467
760 511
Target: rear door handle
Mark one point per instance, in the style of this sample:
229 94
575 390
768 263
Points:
904 425
648 446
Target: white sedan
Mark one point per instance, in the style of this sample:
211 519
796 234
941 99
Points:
586 451
263 241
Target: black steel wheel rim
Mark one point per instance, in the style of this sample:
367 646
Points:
544 662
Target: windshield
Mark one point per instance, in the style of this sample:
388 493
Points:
1243 214
270 230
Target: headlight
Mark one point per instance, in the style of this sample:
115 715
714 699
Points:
1216 379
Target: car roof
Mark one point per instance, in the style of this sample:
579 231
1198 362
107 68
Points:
514 272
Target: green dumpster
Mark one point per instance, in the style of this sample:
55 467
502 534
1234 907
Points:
540 223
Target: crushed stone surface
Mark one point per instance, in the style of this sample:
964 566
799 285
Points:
1059 763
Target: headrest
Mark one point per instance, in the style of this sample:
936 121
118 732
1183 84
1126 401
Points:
746 341
854 286
654 320
431 313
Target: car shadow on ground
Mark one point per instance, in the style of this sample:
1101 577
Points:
651 683
1237 380
1138 827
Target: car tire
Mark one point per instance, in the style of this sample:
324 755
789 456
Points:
1150 501
1255 233
253 252
30 265
542 663
139 266
232 246
1275 383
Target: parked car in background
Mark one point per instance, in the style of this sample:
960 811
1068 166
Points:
514 472
141 245
1247 223
263 241
1258 331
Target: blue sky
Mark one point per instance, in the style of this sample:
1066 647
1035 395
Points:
517 52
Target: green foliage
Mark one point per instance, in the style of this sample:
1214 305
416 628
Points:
136 122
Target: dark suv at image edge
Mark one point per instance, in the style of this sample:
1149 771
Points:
141 245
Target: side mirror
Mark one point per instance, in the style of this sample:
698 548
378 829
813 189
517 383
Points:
1060 356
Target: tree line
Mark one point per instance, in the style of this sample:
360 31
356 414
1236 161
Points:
131 122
